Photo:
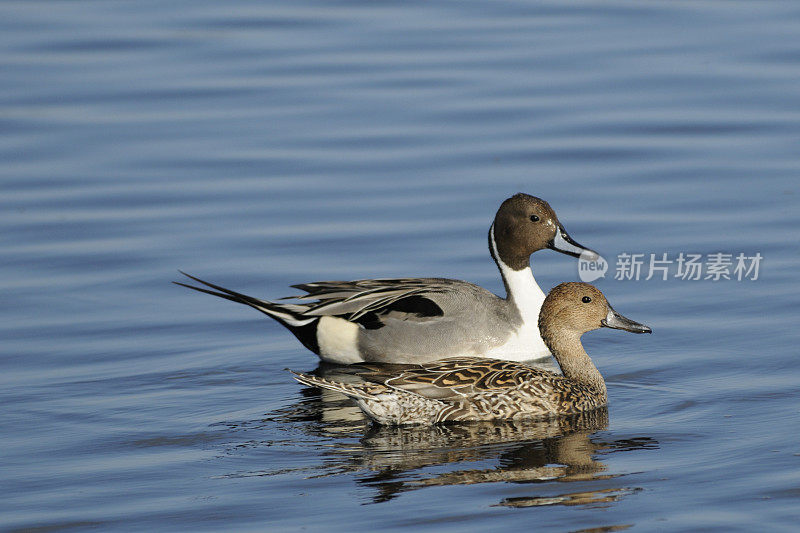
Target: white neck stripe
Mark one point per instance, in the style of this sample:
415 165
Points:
525 294
522 286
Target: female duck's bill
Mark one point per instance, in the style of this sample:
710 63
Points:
415 320
465 389
615 320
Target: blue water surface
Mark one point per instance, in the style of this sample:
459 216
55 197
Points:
260 144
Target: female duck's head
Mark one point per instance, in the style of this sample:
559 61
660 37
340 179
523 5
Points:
572 309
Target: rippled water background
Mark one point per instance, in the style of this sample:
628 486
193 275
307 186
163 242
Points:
264 144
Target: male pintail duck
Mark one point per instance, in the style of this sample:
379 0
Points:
465 389
417 320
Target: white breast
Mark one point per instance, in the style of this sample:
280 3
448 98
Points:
526 342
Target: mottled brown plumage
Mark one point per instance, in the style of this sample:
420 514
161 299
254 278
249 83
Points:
471 388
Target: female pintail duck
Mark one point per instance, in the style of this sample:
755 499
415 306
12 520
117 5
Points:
416 320
470 389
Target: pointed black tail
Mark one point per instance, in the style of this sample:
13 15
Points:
289 315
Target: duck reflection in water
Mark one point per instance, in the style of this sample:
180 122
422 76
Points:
392 460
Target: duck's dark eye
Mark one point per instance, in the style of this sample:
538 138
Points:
534 218
586 299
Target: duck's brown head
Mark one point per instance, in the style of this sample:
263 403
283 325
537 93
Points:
575 308
525 224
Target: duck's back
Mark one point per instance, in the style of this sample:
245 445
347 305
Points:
472 388
455 318
542 394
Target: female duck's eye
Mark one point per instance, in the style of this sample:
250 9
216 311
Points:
586 299
534 218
